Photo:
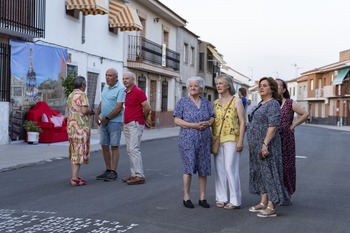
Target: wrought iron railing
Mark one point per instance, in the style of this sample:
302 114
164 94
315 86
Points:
26 17
5 72
142 50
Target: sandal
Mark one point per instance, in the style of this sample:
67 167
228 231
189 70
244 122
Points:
267 213
257 208
231 206
82 180
77 182
220 204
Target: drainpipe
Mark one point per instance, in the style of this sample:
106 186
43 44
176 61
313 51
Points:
83 30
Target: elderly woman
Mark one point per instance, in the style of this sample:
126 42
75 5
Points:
265 154
286 130
78 129
230 119
194 114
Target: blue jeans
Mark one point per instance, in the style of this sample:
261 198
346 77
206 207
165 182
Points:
110 134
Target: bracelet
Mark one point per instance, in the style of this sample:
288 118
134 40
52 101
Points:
265 144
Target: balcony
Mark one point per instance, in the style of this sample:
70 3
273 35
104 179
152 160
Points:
142 50
23 18
328 91
318 93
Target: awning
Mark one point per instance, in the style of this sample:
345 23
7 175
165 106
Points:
340 76
123 16
88 7
216 55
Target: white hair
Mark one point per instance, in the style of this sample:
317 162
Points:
200 81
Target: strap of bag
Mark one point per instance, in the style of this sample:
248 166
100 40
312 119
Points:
223 118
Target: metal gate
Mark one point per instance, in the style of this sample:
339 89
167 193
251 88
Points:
5 72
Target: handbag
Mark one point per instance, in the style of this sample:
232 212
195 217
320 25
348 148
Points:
215 140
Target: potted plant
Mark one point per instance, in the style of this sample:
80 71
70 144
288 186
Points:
33 131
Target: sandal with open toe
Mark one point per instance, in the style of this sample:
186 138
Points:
77 182
267 213
231 206
220 204
257 208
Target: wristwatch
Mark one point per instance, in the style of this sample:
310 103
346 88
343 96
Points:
107 118
265 144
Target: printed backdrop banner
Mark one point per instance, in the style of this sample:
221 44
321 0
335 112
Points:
36 72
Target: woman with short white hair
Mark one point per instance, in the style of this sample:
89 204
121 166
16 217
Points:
194 114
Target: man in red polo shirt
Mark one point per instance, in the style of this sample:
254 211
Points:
136 112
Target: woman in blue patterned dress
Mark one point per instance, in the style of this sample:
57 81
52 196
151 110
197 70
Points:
265 154
194 114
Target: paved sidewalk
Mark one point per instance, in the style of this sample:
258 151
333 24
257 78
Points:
19 154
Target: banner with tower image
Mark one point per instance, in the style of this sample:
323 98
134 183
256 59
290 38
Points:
36 72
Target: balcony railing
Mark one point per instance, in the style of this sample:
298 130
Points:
319 93
24 18
142 50
328 91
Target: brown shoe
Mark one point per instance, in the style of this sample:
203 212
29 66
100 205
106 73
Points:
127 178
136 180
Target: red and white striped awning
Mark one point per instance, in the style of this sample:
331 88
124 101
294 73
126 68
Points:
88 7
123 16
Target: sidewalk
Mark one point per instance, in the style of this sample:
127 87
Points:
20 154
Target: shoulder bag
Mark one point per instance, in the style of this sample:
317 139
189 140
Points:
215 140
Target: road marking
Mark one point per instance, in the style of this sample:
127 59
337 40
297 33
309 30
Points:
301 157
43 221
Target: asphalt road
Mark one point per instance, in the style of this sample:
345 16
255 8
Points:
39 198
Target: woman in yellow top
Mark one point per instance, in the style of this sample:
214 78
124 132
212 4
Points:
231 139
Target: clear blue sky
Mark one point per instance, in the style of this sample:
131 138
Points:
267 38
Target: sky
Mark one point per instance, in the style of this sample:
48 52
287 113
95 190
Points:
277 38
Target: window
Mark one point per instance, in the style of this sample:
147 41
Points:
92 80
185 53
192 56
164 107
72 70
142 82
293 91
17 91
201 62
74 13
113 30
311 84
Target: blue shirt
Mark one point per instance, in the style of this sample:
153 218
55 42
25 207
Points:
109 98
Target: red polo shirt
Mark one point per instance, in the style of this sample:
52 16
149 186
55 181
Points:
133 108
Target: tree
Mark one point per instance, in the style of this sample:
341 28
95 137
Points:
68 84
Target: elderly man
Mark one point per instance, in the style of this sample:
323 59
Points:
136 112
109 116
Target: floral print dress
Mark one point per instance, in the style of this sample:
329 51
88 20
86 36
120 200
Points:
288 146
266 175
78 128
194 145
